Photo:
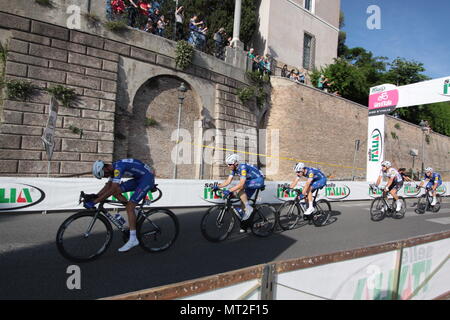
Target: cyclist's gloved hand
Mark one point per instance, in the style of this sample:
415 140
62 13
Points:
89 204
417 187
302 196
216 187
226 193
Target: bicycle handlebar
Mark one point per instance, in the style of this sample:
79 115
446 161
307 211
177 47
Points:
90 197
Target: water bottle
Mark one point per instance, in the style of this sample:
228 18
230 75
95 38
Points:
303 205
240 212
120 219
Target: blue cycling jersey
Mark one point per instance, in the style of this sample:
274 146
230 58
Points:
247 171
129 168
314 174
434 178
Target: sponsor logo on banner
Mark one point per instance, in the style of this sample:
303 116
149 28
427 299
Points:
441 190
17 196
383 102
209 194
447 87
379 285
376 146
409 189
129 194
375 194
336 191
286 194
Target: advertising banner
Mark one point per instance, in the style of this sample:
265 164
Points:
39 194
375 147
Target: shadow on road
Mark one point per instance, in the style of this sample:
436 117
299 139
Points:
40 272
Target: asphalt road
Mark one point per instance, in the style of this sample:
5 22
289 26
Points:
32 268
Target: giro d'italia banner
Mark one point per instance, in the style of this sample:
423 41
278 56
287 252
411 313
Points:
386 98
57 194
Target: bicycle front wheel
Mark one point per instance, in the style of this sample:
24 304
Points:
322 215
421 205
264 220
157 230
378 209
288 215
437 206
399 214
83 236
217 223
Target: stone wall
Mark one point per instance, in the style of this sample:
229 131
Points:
107 71
320 129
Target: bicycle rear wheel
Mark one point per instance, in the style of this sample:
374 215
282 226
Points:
217 223
377 209
157 230
288 215
321 216
82 237
264 220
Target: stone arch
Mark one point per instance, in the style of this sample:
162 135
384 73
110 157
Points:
157 99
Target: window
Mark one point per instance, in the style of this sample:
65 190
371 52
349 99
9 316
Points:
309 5
308 51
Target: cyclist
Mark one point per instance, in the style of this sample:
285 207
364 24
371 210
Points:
316 180
434 181
394 184
251 179
143 181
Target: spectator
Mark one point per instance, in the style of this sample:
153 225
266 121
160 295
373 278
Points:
301 77
292 75
179 18
133 12
285 72
266 65
149 27
118 6
320 82
161 26
327 84
219 42
229 42
109 10
194 28
201 39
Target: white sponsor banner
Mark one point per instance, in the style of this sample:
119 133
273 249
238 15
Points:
425 274
360 279
375 147
38 194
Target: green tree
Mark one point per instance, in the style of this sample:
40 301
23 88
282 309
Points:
402 72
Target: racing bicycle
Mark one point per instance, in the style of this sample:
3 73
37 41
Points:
87 234
218 222
424 202
381 206
292 211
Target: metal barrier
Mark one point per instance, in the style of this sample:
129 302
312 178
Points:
416 268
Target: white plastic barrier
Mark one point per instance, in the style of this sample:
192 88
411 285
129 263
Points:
39 194
416 268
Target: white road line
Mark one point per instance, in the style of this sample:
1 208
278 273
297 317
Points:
440 220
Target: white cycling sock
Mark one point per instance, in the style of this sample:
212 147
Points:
133 235
310 205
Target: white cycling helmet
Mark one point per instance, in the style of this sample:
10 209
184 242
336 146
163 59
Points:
299 166
429 169
97 169
387 164
232 159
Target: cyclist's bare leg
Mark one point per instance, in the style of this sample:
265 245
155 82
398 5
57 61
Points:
131 215
393 193
244 199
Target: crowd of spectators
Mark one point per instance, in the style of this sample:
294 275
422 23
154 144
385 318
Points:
260 63
294 74
145 15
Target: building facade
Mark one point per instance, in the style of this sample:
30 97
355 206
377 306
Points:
300 33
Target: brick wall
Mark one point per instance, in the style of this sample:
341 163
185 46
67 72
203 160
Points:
320 129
